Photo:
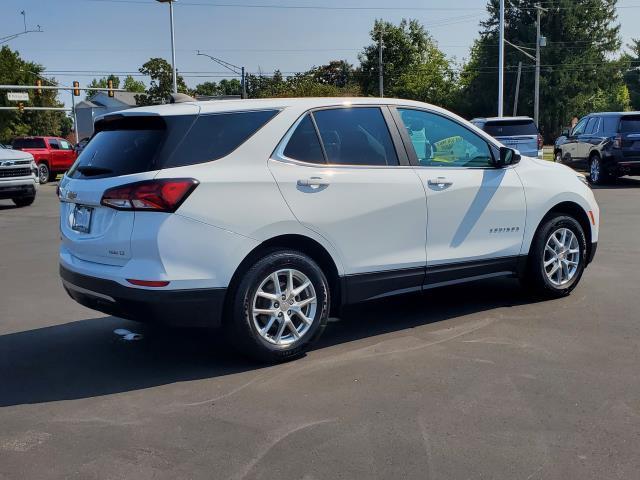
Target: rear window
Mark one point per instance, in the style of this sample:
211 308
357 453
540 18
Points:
510 128
123 145
21 143
629 124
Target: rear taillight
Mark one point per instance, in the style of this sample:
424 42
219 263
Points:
540 142
164 195
617 141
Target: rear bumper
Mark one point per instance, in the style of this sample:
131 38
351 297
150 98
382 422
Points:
16 188
617 164
186 308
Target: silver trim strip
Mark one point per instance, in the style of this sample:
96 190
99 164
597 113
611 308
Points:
88 292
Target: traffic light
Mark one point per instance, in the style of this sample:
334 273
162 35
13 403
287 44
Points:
110 85
21 107
39 85
76 88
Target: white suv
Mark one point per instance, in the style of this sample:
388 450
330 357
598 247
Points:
265 216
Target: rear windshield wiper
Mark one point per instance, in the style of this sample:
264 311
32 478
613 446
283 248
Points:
89 170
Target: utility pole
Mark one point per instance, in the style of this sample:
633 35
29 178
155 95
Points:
501 63
380 68
540 42
515 101
233 68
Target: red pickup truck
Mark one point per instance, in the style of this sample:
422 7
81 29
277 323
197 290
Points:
52 154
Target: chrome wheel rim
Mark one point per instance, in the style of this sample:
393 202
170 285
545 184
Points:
43 172
595 170
284 306
561 257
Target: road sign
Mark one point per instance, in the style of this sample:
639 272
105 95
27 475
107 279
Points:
18 96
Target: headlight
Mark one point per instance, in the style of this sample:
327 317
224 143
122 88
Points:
583 179
34 168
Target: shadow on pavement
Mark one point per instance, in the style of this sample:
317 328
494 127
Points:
86 359
623 182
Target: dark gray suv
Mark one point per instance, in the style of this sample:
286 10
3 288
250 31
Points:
607 144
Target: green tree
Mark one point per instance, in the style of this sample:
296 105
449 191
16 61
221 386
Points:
578 72
632 74
16 71
133 85
414 66
161 83
338 73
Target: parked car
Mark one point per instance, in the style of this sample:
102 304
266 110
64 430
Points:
607 144
520 133
18 177
263 216
53 155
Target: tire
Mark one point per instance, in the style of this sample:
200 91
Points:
43 173
558 157
23 201
597 175
545 279
270 337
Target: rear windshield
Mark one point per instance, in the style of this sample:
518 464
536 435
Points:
510 128
630 124
123 145
20 143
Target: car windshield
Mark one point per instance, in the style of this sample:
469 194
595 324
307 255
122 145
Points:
22 143
508 128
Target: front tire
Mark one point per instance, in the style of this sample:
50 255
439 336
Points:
557 257
43 173
278 308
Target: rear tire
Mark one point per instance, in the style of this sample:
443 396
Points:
43 173
552 270
290 319
23 201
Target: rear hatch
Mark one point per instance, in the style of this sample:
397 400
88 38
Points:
520 134
629 133
124 149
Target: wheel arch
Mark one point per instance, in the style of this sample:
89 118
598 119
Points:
307 245
574 210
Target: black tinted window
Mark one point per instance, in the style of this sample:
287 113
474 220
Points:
508 128
610 125
124 145
630 124
590 124
304 144
215 136
53 144
356 136
19 143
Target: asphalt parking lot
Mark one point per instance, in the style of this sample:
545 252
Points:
475 381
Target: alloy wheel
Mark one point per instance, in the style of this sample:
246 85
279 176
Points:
284 307
43 173
561 257
594 170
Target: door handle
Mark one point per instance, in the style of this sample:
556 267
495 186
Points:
312 182
439 182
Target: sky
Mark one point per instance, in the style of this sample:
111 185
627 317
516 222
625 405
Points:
83 39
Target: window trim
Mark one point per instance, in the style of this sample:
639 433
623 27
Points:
398 144
493 148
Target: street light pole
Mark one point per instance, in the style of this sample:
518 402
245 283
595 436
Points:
501 63
173 45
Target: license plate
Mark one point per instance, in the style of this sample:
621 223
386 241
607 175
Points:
81 219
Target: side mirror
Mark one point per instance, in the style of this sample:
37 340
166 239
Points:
565 132
508 156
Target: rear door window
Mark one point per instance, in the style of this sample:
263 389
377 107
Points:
356 136
630 124
304 144
53 144
21 143
510 128
590 124
124 145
